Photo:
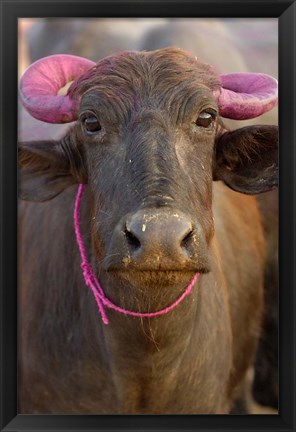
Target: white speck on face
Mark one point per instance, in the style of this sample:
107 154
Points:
143 227
130 161
203 167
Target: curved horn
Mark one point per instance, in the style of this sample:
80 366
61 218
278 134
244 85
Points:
246 95
42 81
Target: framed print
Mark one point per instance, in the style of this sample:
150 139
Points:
147 200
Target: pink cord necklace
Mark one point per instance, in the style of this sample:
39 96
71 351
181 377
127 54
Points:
92 282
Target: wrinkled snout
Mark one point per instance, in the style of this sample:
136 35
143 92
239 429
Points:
155 239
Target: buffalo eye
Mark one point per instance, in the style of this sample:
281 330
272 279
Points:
206 118
91 124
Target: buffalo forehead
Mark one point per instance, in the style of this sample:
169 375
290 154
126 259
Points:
138 74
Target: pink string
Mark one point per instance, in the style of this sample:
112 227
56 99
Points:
92 282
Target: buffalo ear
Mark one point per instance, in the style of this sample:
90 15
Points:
247 159
46 168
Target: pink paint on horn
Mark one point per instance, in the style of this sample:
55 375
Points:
246 95
42 81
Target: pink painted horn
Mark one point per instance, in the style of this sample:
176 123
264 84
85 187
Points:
246 95
42 81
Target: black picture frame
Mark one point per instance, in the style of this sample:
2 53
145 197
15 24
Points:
11 10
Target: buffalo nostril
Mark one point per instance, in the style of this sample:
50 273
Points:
133 241
187 238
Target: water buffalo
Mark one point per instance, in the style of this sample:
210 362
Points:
150 299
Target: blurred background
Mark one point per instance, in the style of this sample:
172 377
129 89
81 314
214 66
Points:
231 45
